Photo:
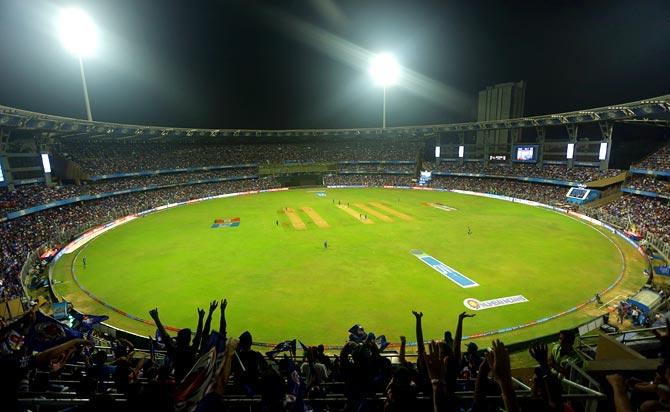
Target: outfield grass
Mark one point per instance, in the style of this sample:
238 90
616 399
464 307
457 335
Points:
281 283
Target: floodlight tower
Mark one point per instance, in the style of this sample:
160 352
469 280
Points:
80 37
385 71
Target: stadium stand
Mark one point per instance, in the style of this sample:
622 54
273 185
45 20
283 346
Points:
659 160
100 158
554 172
649 215
95 370
103 372
648 184
37 194
367 180
547 194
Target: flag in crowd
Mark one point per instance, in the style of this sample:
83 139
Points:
285 346
46 332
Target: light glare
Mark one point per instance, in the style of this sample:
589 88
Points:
77 32
602 155
571 151
45 163
384 69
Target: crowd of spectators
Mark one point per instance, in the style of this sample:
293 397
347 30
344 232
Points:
99 158
543 193
648 215
368 180
37 194
27 233
555 172
659 160
363 376
547 194
360 373
377 168
648 183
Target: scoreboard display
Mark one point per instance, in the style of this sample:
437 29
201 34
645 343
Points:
578 193
498 158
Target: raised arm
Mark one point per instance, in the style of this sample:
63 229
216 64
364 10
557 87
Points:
551 386
401 356
459 334
198 331
621 401
480 403
419 333
161 329
59 354
436 366
222 322
498 360
208 324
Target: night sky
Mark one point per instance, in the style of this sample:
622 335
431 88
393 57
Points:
301 63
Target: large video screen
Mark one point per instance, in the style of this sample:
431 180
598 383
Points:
525 153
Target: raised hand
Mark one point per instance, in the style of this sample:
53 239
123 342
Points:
403 339
539 352
436 363
58 355
464 315
418 315
498 360
224 304
213 306
201 313
153 313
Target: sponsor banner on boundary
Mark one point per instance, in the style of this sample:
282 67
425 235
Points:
474 304
95 232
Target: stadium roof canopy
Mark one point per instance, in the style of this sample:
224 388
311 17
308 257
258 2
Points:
64 126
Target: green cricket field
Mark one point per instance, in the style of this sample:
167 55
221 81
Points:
310 263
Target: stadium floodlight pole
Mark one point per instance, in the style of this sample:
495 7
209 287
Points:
80 37
385 71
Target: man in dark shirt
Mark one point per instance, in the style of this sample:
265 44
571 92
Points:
248 366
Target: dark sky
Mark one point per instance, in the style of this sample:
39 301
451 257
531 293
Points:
298 64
